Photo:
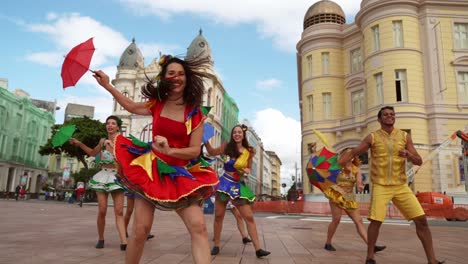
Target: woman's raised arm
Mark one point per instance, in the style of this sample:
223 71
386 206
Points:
139 108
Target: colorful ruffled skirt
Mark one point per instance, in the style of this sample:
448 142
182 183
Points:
166 182
234 190
342 196
104 181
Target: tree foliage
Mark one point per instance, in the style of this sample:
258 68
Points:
88 131
84 174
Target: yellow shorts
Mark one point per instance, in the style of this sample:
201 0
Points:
401 196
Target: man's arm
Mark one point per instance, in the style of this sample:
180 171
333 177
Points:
410 152
350 154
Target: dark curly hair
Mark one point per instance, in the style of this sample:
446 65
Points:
231 147
194 72
380 113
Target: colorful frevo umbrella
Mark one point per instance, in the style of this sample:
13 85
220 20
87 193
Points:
63 135
323 169
77 62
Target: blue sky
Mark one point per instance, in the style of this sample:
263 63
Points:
253 45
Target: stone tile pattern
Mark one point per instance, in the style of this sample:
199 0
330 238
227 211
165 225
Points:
56 232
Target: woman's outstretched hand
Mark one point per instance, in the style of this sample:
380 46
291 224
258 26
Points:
101 77
74 141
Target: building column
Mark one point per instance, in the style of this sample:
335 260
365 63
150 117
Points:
3 178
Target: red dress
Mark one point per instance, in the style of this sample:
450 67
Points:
169 183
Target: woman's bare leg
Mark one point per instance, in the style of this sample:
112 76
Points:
128 212
102 211
357 219
239 221
194 220
142 222
220 211
118 198
336 218
247 213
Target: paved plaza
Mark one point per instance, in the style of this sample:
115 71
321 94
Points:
53 232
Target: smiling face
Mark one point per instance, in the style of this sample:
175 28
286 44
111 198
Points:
176 74
237 134
387 117
111 126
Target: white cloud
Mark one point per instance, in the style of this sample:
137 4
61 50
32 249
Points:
268 84
282 135
51 59
68 30
279 20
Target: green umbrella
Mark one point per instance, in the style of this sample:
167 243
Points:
63 135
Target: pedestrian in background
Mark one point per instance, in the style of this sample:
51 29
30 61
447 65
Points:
17 192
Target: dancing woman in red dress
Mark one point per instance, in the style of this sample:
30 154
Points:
168 174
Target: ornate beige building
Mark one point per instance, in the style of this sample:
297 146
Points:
410 54
275 173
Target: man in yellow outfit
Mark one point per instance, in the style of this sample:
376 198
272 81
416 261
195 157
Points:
390 148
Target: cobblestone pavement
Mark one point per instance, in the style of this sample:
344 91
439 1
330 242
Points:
56 232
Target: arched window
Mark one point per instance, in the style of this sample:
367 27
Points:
146 133
208 103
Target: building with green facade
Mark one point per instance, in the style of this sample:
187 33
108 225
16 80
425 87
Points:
23 129
230 116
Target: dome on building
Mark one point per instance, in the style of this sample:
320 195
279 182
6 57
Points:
199 48
131 58
324 11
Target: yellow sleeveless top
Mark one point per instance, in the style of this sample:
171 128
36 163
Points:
387 168
347 179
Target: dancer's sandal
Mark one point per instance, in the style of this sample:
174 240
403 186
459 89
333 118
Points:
262 253
379 248
215 251
329 247
100 244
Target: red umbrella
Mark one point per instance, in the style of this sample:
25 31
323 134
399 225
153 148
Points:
77 62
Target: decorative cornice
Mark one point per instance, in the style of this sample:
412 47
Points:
380 4
456 3
460 61
354 81
380 52
319 36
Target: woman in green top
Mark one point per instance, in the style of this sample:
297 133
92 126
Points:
104 181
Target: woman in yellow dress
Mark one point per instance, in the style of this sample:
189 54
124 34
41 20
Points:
341 197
